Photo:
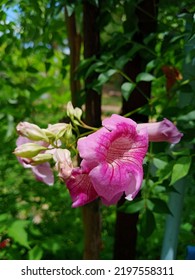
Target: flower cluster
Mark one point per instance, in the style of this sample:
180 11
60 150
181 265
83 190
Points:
112 156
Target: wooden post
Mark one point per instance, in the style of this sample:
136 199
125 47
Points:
91 212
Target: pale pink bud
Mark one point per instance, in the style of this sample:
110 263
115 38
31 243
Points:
31 131
164 131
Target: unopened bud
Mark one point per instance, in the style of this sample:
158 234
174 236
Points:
56 131
70 110
41 158
56 128
78 113
164 131
73 112
68 134
28 150
31 131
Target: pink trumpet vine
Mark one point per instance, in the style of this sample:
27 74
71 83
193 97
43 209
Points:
112 159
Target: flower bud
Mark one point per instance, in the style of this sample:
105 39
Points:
70 110
78 113
73 112
28 150
55 129
68 134
31 131
41 158
59 131
164 131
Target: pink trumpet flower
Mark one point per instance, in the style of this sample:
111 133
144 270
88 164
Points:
113 158
112 163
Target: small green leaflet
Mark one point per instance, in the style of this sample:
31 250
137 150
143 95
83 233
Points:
35 253
17 231
147 223
180 168
127 89
144 77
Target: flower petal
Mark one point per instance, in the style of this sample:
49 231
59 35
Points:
112 122
43 173
93 148
80 187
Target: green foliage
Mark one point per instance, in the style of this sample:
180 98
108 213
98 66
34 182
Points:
18 233
144 77
126 89
180 169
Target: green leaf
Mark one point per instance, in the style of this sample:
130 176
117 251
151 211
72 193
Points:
188 117
104 77
180 168
144 77
160 206
94 67
165 172
133 206
127 89
147 223
121 61
84 66
159 163
4 217
35 253
151 65
18 232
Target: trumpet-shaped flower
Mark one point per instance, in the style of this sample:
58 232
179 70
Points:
112 163
113 158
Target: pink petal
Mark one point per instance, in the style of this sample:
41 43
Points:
80 188
43 173
114 200
112 122
95 141
122 169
